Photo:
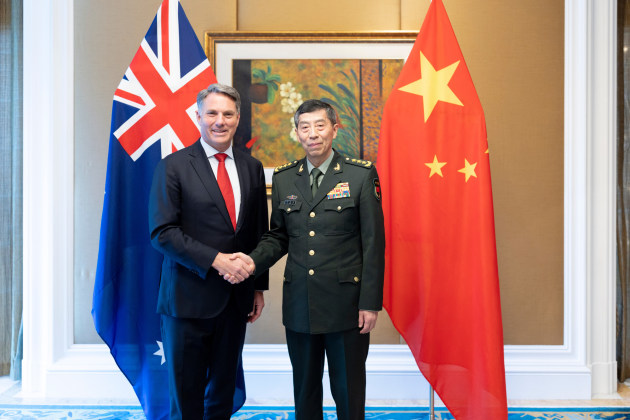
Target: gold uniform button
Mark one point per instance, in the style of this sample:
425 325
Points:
356 279
311 233
311 271
311 252
289 209
312 214
338 207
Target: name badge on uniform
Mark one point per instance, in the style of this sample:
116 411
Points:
341 190
290 199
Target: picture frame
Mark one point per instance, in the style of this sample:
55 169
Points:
353 71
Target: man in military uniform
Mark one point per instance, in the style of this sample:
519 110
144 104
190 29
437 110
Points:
326 213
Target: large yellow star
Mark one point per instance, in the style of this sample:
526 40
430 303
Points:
436 167
433 86
468 169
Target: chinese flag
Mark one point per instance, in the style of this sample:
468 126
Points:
441 277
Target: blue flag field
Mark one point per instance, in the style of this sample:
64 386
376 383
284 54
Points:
153 115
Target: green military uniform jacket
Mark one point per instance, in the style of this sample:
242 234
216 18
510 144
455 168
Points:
335 242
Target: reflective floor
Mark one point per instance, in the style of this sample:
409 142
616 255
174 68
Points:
14 405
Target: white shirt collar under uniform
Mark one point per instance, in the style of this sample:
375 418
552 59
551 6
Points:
323 167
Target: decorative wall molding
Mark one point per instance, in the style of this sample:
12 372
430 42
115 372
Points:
48 118
584 366
600 174
88 372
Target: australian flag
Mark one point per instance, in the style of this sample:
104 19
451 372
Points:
153 115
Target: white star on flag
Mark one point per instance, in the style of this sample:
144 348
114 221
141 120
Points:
160 352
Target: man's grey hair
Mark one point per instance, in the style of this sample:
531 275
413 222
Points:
223 90
312 105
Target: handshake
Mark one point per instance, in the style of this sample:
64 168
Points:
234 267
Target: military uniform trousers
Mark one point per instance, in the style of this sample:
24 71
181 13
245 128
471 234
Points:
335 244
346 352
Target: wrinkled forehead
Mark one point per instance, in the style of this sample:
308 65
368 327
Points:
313 117
219 101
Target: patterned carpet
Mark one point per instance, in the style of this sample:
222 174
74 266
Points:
72 412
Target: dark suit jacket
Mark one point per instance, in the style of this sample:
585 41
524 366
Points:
336 244
190 224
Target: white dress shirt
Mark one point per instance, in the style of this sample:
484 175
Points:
230 167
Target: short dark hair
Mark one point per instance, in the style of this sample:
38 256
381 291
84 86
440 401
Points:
312 105
223 90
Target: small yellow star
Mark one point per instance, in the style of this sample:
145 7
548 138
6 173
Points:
436 167
433 86
468 169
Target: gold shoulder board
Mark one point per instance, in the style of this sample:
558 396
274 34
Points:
285 166
359 162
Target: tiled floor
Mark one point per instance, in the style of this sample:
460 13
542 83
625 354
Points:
287 413
5 384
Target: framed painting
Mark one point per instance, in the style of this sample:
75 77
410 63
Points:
276 71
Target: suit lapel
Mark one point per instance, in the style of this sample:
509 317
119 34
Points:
200 164
303 181
243 178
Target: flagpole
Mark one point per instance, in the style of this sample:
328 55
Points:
431 404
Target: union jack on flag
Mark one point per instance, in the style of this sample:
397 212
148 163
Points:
154 103
162 83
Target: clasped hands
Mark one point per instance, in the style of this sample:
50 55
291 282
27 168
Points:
234 267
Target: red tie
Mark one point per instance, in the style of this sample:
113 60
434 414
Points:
226 187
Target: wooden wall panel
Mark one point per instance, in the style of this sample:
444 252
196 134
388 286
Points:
328 15
211 15
515 53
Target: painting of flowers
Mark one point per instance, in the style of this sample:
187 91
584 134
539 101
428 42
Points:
272 89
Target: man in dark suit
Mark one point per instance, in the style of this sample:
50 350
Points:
326 213
207 201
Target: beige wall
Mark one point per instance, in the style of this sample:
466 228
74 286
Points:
514 51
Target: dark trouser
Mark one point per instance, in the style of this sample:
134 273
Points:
202 359
346 352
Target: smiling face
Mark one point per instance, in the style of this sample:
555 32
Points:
218 119
316 133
